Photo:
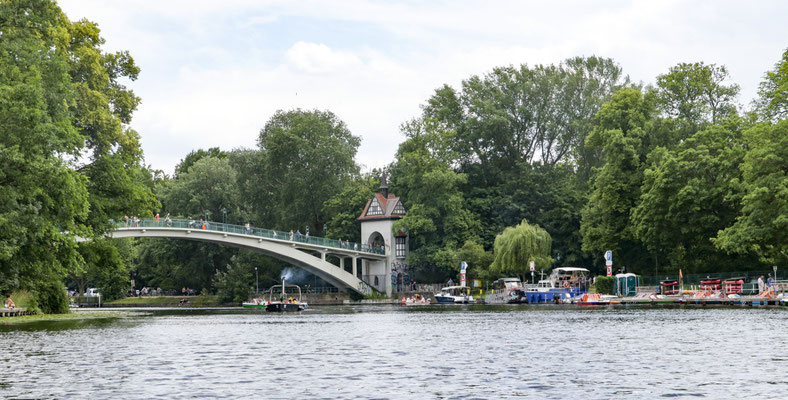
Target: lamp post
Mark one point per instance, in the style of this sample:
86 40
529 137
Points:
256 282
207 215
224 215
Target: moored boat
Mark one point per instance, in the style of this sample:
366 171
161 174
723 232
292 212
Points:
564 285
507 291
415 300
454 295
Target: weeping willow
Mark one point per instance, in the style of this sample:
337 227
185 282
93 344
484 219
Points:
517 245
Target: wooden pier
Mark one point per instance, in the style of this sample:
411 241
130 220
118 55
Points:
14 312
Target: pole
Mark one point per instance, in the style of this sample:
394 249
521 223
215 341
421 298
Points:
256 282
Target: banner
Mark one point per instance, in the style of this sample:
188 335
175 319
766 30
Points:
463 267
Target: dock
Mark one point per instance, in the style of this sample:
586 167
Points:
704 301
14 312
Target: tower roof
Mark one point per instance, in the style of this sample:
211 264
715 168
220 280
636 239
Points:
382 207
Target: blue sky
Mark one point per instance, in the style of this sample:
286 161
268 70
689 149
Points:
213 72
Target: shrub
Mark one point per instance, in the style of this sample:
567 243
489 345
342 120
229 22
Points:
604 284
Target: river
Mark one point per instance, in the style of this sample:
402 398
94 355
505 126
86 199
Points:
392 352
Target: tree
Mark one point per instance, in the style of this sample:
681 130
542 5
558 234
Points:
687 197
437 218
762 222
196 155
306 158
517 246
773 92
695 95
625 134
69 162
346 206
209 186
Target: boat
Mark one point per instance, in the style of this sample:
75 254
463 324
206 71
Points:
255 303
507 291
596 299
286 302
564 285
454 295
415 300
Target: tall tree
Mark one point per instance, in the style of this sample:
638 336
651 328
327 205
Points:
306 158
69 160
761 226
772 100
696 95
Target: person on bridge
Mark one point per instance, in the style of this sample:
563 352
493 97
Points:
291 234
298 235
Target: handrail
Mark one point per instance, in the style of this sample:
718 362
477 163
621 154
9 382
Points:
252 231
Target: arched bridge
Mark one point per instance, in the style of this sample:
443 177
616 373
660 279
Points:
303 251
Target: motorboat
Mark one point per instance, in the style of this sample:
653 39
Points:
564 285
454 295
507 291
287 302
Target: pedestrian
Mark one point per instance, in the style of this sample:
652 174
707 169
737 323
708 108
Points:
307 234
451 282
760 284
156 217
291 234
126 218
298 235
168 221
770 282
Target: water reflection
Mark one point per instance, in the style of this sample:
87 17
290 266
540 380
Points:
394 352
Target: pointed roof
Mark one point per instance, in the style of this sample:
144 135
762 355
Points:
382 207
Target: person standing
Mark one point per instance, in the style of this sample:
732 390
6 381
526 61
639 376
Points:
770 282
760 284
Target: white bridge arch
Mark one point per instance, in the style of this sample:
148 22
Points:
305 252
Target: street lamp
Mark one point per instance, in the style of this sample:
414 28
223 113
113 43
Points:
224 215
256 282
207 215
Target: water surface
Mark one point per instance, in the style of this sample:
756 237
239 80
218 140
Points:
394 352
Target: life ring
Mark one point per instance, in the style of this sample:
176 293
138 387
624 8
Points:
566 284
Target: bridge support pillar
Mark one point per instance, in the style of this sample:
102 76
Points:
323 255
355 264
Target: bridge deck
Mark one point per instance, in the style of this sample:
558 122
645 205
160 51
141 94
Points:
254 231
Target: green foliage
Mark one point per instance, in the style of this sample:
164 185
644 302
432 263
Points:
762 222
105 268
50 295
773 92
695 95
306 159
197 155
516 246
233 285
346 206
604 284
209 186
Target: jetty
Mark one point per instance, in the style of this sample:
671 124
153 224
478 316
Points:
14 312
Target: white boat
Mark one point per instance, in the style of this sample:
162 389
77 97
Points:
506 291
563 285
415 300
454 295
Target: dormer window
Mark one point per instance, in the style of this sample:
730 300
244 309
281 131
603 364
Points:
399 209
374 208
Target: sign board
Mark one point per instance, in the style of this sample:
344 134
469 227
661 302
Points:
609 270
533 266
608 263
477 283
609 255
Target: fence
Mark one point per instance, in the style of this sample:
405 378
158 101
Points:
266 233
694 279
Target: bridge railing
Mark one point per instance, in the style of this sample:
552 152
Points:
252 231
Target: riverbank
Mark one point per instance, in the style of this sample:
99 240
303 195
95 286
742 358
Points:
73 316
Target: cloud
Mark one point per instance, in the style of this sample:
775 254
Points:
314 58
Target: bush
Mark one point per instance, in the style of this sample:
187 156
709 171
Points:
50 296
604 284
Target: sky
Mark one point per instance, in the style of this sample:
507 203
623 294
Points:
214 72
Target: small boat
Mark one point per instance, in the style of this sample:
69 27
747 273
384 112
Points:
286 303
594 299
506 291
564 285
455 295
255 303
415 300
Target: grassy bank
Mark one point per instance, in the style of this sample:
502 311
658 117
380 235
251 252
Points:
193 300
80 315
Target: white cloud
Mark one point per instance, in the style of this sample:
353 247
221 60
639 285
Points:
314 58
214 72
